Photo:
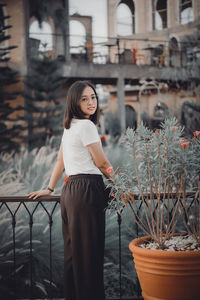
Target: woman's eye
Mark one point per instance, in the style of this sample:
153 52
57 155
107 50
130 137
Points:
84 99
93 97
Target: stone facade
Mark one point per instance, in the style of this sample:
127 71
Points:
164 48
146 54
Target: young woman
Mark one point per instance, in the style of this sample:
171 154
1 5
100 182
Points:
84 196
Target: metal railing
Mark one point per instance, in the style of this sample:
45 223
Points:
19 212
20 205
116 51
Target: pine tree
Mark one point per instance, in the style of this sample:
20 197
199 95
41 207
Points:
10 128
43 92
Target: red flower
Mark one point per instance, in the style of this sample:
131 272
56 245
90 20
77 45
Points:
157 131
103 138
66 178
184 144
109 170
196 133
176 128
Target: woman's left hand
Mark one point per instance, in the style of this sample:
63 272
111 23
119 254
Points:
37 194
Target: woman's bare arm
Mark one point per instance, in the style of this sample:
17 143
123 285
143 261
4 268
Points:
100 159
56 173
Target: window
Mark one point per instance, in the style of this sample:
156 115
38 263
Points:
159 10
174 53
125 19
131 117
43 35
186 11
77 37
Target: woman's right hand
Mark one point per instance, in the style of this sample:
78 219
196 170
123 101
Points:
37 194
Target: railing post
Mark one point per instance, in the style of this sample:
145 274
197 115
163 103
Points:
50 253
121 115
119 220
14 254
14 244
50 243
31 253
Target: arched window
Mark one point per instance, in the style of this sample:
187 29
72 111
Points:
174 44
174 52
186 11
77 37
41 34
125 18
159 10
131 117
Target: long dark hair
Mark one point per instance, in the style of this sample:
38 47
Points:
73 103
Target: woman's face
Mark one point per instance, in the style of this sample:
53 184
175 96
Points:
88 102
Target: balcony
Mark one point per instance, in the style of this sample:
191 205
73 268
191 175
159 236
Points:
104 62
31 250
31 256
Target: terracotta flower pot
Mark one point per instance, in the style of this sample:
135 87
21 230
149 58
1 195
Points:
167 275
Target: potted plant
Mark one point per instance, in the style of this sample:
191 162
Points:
160 188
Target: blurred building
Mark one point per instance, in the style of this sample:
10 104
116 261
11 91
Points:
161 34
149 63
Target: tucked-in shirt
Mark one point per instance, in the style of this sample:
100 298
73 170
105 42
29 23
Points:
76 156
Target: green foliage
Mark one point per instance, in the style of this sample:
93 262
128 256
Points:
44 109
61 17
162 167
40 249
27 171
24 172
39 9
10 128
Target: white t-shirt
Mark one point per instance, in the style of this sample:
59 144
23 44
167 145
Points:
76 156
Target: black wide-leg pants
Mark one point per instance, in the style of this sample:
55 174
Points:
83 203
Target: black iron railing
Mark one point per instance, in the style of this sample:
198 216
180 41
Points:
21 219
20 212
10 208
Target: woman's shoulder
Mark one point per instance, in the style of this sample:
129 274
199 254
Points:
86 123
85 120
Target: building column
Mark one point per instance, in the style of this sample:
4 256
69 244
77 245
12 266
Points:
172 13
196 8
111 16
121 103
140 23
67 37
